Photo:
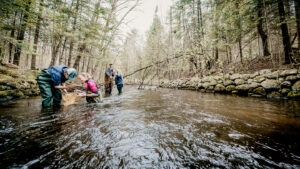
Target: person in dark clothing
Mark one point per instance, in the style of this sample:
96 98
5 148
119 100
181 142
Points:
119 81
51 81
109 74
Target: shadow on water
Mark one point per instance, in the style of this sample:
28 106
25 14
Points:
152 129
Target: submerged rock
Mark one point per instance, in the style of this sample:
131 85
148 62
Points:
234 92
230 88
202 90
294 94
285 91
260 91
274 94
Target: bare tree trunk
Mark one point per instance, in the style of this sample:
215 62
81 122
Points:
199 17
76 63
287 9
230 54
70 53
27 60
239 31
216 36
297 10
74 28
260 30
12 35
285 34
36 35
55 49
79 56
21 34
61 58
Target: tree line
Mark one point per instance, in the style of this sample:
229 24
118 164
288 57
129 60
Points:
204 36
36 34
214 35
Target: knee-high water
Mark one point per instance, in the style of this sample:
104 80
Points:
152 129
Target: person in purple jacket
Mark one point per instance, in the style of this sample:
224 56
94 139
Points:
91 93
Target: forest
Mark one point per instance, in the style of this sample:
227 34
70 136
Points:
200 37
149 84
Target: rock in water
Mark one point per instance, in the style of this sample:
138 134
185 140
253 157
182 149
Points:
260 91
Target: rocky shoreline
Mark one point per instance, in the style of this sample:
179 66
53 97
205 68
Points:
265 83
17 83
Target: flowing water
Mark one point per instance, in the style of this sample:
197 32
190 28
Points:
161 128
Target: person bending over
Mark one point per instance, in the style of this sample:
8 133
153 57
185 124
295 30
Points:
91 94
51 81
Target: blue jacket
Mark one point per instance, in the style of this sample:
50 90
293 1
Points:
109 71
57 74
118 79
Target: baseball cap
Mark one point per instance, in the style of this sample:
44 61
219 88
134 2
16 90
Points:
72 73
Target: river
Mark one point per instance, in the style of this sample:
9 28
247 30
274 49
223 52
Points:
160 128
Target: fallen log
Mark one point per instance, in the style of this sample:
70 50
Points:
159 62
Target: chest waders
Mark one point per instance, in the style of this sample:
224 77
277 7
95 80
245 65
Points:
108 84
97 99
47 89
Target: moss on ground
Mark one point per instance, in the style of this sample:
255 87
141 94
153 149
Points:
17 83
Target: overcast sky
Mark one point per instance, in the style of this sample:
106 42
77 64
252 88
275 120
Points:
142 17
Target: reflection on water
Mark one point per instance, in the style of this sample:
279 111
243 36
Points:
152 129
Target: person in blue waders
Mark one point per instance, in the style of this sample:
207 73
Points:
51 81
119 81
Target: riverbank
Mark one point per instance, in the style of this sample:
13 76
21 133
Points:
264 83
17 83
